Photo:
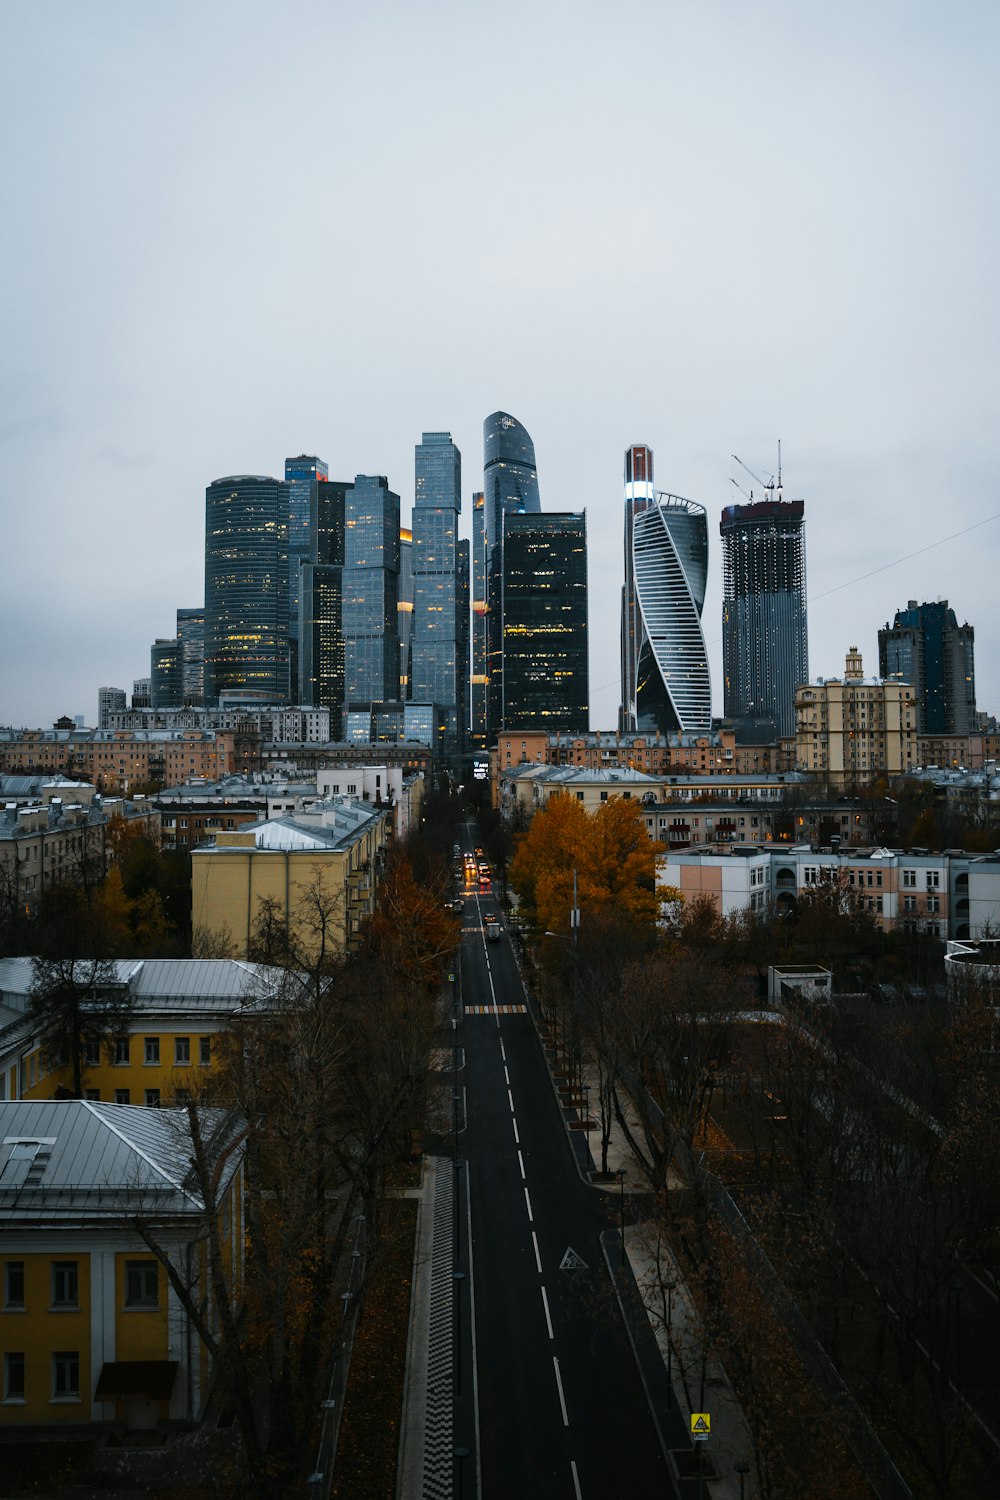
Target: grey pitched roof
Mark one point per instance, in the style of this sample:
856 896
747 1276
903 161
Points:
94 1160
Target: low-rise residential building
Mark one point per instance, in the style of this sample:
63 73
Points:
850 730
336 846
755 820
523 788
954 894
91 1329
124 760
606 750
46 842
177 1011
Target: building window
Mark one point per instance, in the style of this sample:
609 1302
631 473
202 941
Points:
121 1052
810 875
909 903
142 1283
92 1052
933 903
182 1049
13 1377
123 1096
205 1051
933 880
65 1374
152 1099
152 1052
92 1094
910 878
64 1283
13 1284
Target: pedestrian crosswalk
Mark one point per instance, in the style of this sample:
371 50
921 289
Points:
501 1010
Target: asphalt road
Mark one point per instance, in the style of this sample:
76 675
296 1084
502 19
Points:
561 1409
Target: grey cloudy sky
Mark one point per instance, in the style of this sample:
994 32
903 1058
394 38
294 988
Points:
237 231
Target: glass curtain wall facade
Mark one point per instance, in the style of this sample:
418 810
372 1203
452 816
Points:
510 487
765 647
670 560
463 592
479 680
544 612
191 634
371 592
166 674
926 647
404 609
321 649
434 674
302 475
246 589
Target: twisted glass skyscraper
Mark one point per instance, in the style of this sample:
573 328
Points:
665 680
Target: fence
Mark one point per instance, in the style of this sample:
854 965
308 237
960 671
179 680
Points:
319 1482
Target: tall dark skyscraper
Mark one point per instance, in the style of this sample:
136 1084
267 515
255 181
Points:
464 597
321 634
191 634
302 475
246 589
665 679
434 656
765 649
510 487
926 647
371 592
166 674
479 679
543 610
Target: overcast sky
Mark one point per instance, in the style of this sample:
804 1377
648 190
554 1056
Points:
237 231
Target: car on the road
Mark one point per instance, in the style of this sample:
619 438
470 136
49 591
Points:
493 929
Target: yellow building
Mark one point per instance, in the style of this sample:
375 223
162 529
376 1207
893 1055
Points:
180 1009
91 1328
335 846
851 730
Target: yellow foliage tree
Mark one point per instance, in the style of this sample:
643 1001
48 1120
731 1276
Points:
611 853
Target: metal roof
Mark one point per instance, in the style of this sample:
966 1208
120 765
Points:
63 1159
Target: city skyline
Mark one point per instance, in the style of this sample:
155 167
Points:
149 350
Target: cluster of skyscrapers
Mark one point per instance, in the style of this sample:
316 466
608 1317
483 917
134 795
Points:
315 593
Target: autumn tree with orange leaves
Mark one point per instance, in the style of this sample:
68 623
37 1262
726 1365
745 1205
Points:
612 855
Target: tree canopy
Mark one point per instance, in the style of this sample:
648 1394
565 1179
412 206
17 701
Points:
611 853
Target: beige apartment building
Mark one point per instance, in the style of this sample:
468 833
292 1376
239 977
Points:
336 845
851 730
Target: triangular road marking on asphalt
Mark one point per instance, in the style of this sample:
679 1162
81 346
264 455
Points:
572 1262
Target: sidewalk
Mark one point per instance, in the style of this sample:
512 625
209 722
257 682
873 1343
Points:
672 1318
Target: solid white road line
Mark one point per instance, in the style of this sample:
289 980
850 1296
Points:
520 1162
531 1217
538 1258
576 1479
562 1398
548 1320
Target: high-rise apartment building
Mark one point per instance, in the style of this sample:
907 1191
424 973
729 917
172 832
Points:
110 700
434 663
510 487
665 679
246 589
191 635
851 730
926 647
371 592
765 650
543 610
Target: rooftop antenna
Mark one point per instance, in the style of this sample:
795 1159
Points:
779 463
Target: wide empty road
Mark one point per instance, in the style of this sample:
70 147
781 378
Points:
561 1409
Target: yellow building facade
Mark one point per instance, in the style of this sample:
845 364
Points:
851 731
91 1328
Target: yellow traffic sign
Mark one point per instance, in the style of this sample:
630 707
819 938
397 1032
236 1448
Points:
701 1425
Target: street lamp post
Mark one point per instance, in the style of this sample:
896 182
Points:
671 1284
742 1468
621 1233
